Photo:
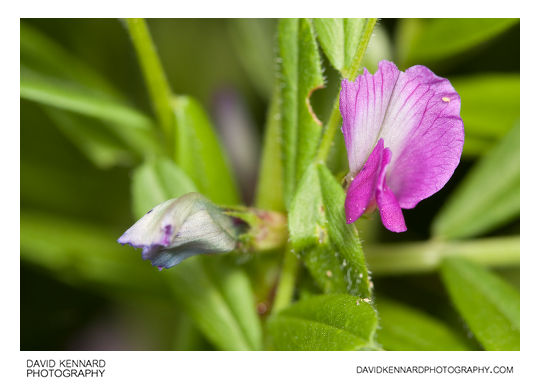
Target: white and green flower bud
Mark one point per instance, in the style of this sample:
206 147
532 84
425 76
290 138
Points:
179 228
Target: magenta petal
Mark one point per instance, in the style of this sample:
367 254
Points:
362 189
363 104
423 129
389 209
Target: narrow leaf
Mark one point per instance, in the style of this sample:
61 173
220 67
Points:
94 140
428 41
199 153
131 126
301 74
403 328
489 195
47 57
220 300
326 322
154 75
329 247
85 254
489 305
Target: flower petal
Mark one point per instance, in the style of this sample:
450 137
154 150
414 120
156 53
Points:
363 104
154 228
423 129
389 209
362 189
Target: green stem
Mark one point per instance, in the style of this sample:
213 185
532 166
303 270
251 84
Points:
285 289
426 256
353 71
154 75
329 132
348 73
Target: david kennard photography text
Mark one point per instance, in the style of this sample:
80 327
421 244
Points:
65 368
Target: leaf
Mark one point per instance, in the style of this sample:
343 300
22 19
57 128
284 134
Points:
94 140
329 247
219 298
131 126
488 196
47 57
427 41
489 305
403 328
270 185
216 294
301 74
341 41
85 254
490 105
154 75
199 153
157 181
324 322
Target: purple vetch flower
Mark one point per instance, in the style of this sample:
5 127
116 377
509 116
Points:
404 139
179 228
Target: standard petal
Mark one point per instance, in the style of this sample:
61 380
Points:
362 189
423 129
363 104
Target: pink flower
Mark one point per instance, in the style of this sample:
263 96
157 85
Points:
404 139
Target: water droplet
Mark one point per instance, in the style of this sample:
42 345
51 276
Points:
446 99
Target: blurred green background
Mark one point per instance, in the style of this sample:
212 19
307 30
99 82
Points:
79 288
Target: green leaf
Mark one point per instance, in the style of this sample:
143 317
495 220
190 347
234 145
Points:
301 74
132 127
325 322
94 140
344 41
489 195
425 41
489 105
47 57
219 298
154 75
489 305
403 328
329 247
270 185
157 181
199 153
216 294
85 254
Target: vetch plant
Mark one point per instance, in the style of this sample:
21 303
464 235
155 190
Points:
305 265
